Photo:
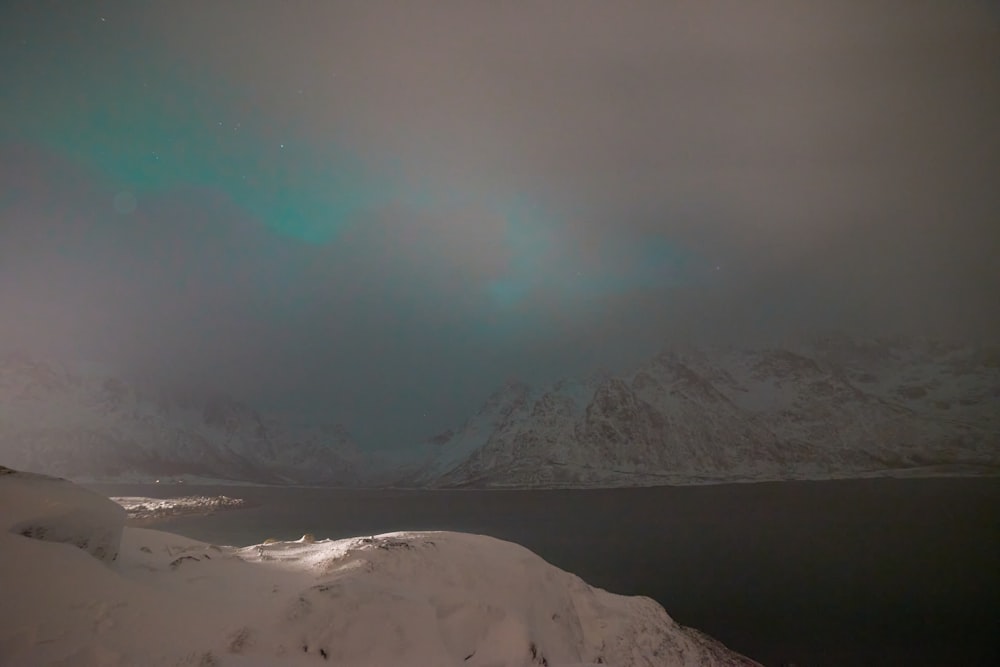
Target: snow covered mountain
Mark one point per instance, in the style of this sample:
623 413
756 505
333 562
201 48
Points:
829 406
85 423
825 407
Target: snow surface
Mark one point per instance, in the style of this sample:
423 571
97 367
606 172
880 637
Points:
54 510
142 509
432 598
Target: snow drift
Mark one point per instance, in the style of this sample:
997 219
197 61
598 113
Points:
51 509
397 599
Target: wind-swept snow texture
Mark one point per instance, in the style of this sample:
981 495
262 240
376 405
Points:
54 510
433 599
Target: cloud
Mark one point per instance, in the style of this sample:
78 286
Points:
407 204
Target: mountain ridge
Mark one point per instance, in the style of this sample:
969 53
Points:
83 421
829 406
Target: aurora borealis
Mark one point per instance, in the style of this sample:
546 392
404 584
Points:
376 211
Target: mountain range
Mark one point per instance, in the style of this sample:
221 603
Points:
826 406
83 422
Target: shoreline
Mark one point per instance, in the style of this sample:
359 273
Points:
970 470
144 511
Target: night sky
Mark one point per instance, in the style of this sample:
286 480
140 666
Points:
376 212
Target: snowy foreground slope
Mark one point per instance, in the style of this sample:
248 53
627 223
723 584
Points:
432 599
826 407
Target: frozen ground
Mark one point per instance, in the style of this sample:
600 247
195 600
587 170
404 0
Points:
73 596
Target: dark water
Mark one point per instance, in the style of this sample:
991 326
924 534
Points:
861 572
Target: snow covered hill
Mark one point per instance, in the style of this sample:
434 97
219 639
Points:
416 599
825 407
85 423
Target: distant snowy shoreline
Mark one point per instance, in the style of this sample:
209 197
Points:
913 472
144 511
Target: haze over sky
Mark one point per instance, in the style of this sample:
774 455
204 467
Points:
375 212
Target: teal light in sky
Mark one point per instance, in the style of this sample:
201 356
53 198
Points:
530 242
542 264
148 132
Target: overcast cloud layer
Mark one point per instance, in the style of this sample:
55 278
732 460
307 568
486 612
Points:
374 212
